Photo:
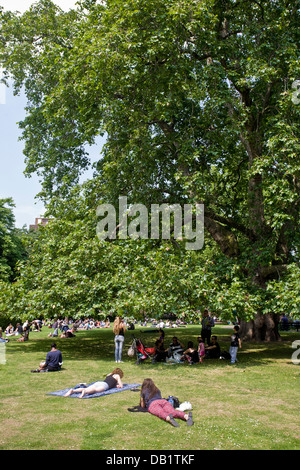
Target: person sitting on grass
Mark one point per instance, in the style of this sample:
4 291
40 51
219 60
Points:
2 340
190 354
25 334
160 353
213 350
68 333
9 330
53 361
175 350
112 380
161 335
19 329
156 405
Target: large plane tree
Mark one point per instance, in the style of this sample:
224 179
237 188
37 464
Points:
198 101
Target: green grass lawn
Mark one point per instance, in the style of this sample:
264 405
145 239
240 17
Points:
250 405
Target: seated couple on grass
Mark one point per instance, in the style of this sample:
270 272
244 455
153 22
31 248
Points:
194 355
172 354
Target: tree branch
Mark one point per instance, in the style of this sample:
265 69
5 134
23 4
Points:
222 236
250 234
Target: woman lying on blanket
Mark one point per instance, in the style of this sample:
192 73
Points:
112 380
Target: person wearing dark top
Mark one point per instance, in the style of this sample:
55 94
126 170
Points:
175 348
19 329
235 344
207 323
190 354
161 335
53 361
156 405
160 353
213 351
25 334
112 380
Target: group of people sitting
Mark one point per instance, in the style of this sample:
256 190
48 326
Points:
90 324
177 352
63 329
66 329
21 330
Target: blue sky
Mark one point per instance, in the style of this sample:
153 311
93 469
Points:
13 183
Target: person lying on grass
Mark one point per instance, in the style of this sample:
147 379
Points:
156 405
112 380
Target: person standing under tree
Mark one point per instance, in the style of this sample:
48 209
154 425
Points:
119 329
207 323
235 344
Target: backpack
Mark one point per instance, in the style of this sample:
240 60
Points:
174 401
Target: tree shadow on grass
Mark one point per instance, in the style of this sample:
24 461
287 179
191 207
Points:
251 355
86 345
99 344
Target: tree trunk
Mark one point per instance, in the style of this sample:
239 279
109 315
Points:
261 328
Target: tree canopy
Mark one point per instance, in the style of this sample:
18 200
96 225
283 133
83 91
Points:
197 102
11 246
71 273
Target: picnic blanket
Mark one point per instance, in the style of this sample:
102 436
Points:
61 393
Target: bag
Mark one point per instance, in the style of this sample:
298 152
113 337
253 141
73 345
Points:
185 406
175 358
225 355
131 351
174 401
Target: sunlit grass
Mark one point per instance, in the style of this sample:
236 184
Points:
249 405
